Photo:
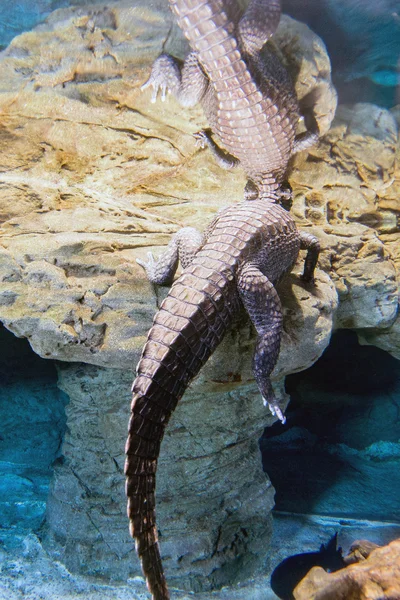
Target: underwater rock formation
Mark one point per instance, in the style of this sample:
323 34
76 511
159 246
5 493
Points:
97 176
92 176
339 453
214 500
32 420
378 576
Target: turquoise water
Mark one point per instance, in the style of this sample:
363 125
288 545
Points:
16 17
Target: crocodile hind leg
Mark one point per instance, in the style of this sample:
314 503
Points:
187 82
182 247
259 23
223 158
262 303
311 244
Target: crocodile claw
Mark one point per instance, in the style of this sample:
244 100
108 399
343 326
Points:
148 265
201 139
275 410
157 86
163 77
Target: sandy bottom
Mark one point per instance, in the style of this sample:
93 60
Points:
27 572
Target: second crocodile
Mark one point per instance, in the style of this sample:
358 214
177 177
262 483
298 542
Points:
247 95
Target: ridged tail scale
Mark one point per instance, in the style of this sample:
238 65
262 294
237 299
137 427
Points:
189 325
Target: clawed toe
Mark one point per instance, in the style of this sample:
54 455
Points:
275 410
147 265
164 76
201 139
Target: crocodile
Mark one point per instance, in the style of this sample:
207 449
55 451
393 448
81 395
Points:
237 262
245 91
248 247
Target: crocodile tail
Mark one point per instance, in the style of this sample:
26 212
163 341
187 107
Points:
189 325
142 450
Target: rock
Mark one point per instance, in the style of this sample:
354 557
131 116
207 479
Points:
359 551
377 577
345 190
98 177
214 520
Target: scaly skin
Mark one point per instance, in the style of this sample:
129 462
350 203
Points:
248 98
237 262
252 108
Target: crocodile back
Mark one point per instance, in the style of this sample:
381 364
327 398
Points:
252 231
251 104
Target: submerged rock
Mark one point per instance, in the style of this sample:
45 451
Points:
291 571
214 501
378 576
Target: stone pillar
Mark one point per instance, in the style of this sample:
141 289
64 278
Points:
213 499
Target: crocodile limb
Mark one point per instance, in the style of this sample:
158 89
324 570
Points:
237 262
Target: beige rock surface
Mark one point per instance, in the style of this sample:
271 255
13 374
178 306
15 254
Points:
92 176
346 189
376 578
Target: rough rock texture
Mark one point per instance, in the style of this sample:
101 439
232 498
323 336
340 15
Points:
214 519
347 188
91 177
97 176
376 578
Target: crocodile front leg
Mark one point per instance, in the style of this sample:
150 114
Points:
186 82
262 303
182 247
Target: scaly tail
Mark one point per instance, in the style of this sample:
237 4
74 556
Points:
188 327
142 450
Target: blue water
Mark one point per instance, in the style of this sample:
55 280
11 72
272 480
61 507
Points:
339 452
16 17
32 417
